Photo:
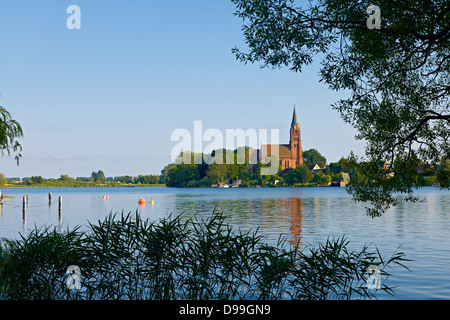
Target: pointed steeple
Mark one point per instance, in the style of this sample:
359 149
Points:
294 117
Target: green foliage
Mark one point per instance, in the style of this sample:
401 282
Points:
312 156
321 179
65 177
300 174
10 131
190 170
3 180
37 179
147 179
127 257
443 174
98 176
34 266
376 182
180 175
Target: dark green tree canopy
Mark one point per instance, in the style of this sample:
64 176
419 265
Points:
98 176
396 79
312 156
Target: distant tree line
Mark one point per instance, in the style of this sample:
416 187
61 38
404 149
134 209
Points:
97 178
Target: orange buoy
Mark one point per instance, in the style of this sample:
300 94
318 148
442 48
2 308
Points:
141 201
107 197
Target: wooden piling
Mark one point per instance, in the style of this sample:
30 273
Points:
49 198
24 204
60 203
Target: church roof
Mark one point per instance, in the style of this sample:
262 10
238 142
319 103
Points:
284 150
294 117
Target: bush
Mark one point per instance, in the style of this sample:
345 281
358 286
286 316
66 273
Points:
127 257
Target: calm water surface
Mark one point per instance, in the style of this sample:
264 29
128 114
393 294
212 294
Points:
310 215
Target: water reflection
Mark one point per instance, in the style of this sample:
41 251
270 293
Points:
295 206
273 216
316 208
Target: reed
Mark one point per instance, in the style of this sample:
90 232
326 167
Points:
127 257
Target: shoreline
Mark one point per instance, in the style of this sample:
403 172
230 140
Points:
163 185
86 186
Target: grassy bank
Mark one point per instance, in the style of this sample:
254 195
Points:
127 257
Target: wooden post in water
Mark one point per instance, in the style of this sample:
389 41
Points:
60 203
24 205
27 198
24 214
49 198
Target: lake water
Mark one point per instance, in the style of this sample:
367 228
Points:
311 215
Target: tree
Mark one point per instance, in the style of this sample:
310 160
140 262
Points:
335 167
300 174
180 175
217 172
396 78
3 180
165 173
147 179
312 156
10 131
321 179
37 179
98 176
305 175
65 177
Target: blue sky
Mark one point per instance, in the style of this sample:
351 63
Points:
108 96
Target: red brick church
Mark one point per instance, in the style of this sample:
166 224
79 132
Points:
291 155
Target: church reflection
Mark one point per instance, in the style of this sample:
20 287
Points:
290 210
293 211
273 216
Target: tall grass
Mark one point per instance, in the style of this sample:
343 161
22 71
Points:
127 257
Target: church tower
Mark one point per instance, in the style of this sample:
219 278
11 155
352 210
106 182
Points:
295 142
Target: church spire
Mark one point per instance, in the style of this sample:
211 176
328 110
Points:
294 117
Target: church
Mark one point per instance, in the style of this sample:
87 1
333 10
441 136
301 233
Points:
291 154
